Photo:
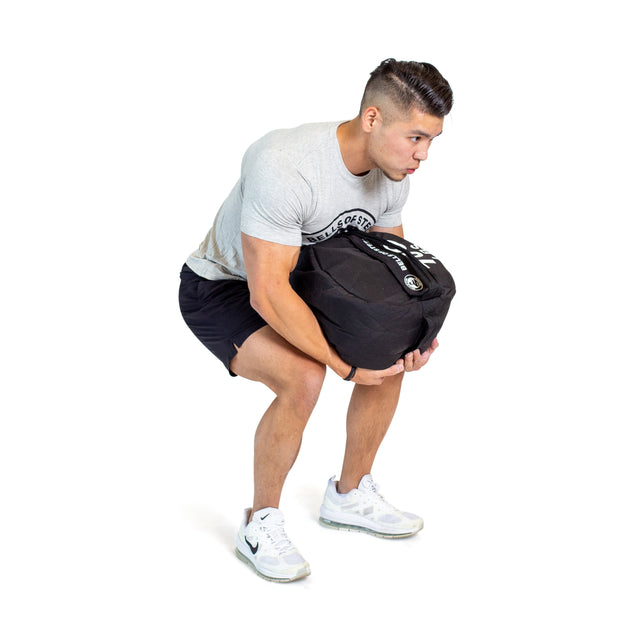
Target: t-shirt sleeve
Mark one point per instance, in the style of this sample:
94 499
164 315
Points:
275 199
392 217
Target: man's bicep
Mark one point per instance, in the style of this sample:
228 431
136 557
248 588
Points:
267 263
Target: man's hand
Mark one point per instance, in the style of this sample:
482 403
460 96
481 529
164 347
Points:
415 360
373 377
411 362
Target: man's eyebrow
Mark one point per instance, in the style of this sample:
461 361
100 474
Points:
424 134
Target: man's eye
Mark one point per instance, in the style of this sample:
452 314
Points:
415 138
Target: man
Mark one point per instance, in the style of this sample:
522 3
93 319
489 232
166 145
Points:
300 186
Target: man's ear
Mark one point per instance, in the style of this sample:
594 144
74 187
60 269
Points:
370 118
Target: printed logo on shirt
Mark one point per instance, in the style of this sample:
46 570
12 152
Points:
352 218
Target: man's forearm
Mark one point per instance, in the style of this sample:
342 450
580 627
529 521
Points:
289 315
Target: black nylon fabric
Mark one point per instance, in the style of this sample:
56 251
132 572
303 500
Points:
376 296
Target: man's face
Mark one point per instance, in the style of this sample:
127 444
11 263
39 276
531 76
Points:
398 148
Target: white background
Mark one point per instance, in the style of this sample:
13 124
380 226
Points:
125 458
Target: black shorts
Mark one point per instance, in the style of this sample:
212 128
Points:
218 312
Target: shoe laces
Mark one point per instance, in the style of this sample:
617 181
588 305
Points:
375 499
278 537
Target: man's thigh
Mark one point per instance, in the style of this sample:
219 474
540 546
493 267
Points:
219 313
265 356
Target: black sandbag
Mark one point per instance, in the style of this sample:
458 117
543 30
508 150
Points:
376 296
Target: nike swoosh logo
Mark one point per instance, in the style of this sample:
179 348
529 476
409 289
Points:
264 517
254 550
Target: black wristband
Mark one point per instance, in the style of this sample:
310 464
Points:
351 374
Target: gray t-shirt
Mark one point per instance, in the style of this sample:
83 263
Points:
295 189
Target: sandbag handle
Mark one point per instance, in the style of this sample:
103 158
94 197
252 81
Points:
411 271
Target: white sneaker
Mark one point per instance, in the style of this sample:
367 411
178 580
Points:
264 545
364 509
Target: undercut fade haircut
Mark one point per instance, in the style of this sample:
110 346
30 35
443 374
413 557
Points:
409 85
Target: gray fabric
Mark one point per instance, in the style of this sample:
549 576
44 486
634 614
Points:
294 189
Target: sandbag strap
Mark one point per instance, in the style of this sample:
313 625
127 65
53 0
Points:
408 263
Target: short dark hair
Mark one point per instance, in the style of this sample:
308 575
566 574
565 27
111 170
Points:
409 85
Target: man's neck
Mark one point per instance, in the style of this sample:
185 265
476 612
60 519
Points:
353 148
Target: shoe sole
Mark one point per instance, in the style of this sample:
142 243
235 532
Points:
246 560
354 527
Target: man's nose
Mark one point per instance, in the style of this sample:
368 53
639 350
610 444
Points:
421 154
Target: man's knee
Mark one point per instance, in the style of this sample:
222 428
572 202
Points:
266 357
303 384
